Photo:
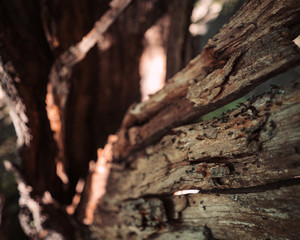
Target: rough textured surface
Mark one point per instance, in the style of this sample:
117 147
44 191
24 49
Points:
249 141
96 95
255 45
244 166
253 150
254 215
105 83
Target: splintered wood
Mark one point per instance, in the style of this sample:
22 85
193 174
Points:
246 170
255 45
243 168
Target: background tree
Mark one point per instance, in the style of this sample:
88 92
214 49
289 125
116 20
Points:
56 146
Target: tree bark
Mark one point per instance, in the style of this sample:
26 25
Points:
236 164
180 48
100 89
233 164
255 45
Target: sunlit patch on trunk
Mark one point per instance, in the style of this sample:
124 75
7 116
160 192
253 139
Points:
153 62
76 199
95 186
56 127
204 12
297 41
185 192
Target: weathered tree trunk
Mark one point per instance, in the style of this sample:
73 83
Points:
254 46
100 92
244 167
57 144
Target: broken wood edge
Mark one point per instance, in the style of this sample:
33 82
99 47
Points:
95 183
233 73
61 70
134 208
16 107
220 153
60 76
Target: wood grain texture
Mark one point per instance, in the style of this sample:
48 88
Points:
244 166
255 45
254 215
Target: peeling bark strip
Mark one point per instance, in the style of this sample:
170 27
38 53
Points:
95 184
255 45
43 218
62 68
60 79
16 107
28 137
245 165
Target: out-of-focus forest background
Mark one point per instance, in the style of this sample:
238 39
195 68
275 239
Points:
8 152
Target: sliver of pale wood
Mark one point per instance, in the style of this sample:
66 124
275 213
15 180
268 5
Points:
255 45
245 165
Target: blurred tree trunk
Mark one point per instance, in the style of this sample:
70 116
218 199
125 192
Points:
103 84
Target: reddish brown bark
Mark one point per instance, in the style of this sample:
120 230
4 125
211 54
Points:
101 86
255 45
251 48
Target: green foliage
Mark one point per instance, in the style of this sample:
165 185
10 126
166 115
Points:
229 6
218 112
8 186
8 151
